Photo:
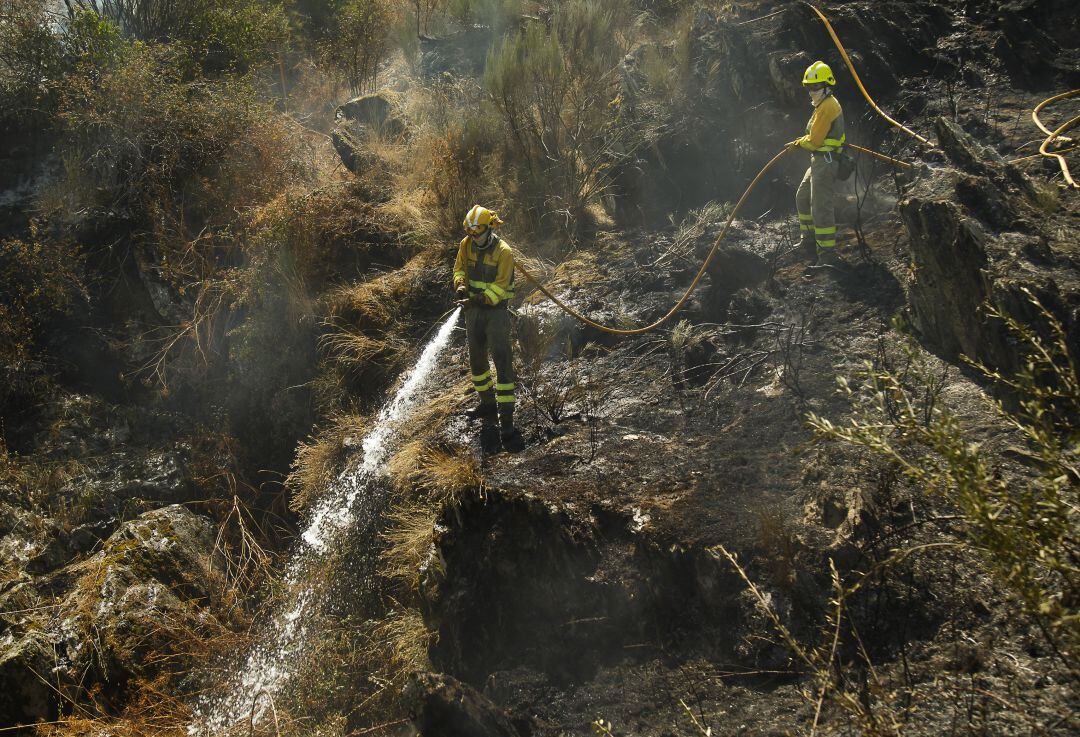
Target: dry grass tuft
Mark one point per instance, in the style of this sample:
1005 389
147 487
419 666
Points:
406 639
430 465
427 473
318 462
440 473
410 539
372 305
357 354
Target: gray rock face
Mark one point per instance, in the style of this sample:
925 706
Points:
979 236
25 661
732 269
125 612
785 72
132 482
370 110
359 118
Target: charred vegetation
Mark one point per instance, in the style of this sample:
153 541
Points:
813 502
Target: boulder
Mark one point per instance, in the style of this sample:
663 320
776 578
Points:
349 148
965 151
442 705
26 664
785 74
1033 59
374 112
732 269
138 600
127 482
371 110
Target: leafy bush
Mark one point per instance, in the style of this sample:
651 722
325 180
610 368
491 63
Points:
30 55
225 35
139 138
459 171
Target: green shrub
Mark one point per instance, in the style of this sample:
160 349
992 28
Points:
30 55
554 91
165 153
221 35
358 42
237 35
1026 528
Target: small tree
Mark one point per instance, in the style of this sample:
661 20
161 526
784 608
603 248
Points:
224 35
148 20
29 56
359 42
554 90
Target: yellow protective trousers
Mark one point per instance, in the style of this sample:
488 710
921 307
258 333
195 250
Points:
815 200
488 329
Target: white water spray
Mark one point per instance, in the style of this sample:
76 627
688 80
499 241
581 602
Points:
284 639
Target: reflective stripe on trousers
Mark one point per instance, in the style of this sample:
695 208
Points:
488 329
817 196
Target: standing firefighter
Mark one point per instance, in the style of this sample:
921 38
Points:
824 140
484 283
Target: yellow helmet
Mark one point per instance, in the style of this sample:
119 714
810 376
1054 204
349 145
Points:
480 219
819 73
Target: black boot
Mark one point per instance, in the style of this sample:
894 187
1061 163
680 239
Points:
511 437
486 407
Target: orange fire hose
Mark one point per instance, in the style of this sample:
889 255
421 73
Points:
858 81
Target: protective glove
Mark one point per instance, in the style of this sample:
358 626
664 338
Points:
794 144
477 299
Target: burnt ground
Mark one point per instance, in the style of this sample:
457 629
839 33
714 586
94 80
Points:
584 580
581 584
584 583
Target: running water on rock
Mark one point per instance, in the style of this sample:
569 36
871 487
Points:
348 507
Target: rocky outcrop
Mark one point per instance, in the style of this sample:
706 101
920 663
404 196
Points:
360 118
134 609
442 705
732 269
1027 45
531 585
25 662
981 233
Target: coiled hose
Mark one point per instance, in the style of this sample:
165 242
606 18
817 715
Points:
1051 136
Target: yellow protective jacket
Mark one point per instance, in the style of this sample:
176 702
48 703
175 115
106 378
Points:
488 272
825 130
